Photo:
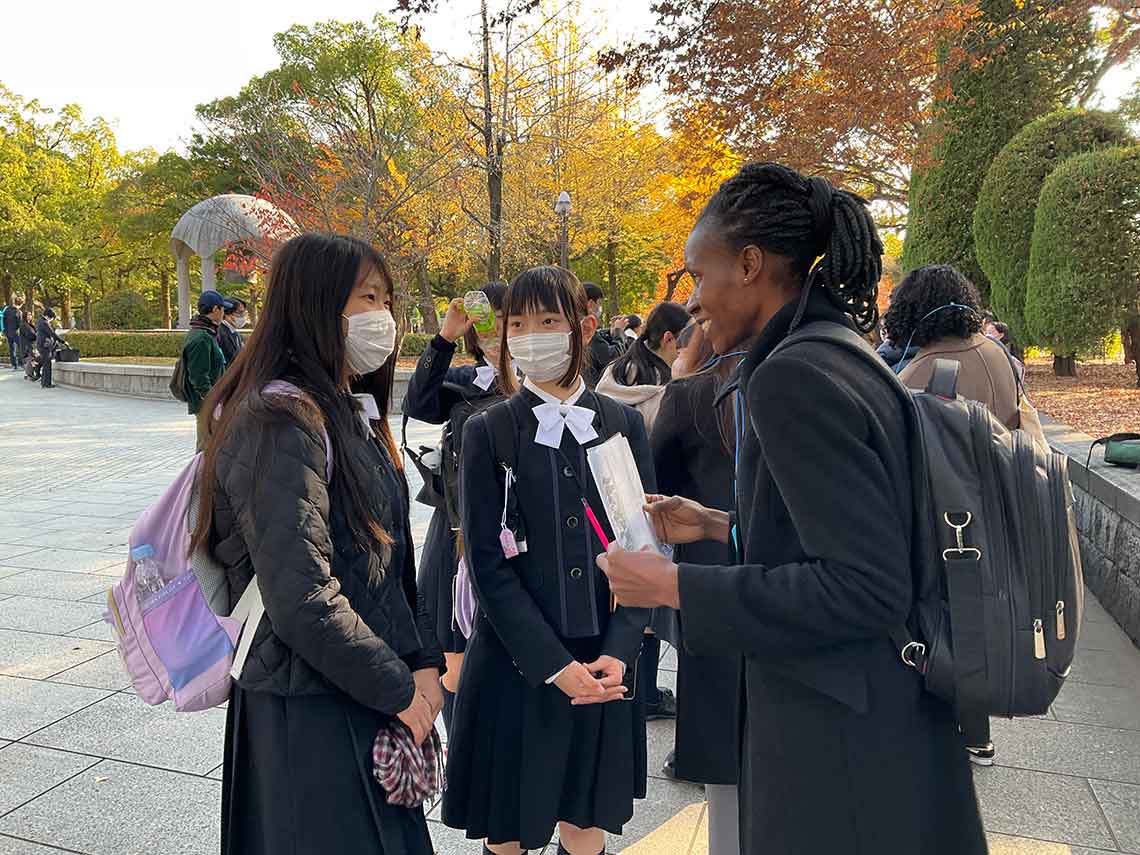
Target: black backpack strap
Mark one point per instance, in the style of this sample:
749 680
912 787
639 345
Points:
503 431
943 380
912 652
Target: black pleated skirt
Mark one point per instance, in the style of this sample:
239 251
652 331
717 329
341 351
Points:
298 780
522 759
438 565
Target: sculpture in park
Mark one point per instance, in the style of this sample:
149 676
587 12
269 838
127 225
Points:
216 223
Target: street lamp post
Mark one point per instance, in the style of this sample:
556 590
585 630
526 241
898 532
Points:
562 209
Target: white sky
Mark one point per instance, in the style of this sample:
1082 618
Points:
145 64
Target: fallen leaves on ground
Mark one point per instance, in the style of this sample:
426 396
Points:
1102 400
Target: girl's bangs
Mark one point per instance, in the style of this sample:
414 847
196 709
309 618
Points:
538 290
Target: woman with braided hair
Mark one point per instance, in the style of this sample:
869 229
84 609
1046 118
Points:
841 748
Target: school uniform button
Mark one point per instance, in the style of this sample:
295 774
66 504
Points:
567 472
575 572
571 521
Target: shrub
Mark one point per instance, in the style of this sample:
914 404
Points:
414 344
1084 260
989 102
125 310
1003 218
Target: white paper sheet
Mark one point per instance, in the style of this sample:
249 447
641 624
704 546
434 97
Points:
623 496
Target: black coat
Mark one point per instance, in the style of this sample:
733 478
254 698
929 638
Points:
341 618
691 460
534 603
230 341
11 321
47 340
604 348
433 392
842 750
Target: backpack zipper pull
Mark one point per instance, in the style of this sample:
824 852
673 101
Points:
1060 620
1038 639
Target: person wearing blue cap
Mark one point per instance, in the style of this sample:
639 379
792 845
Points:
202 358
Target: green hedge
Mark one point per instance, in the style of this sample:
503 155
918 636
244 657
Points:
97 343
990 101
1003 218
1084 262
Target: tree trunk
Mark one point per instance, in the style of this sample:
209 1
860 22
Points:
65 308
612 274
1064 366
30 299
426 303
6 289
254 300
1130 336
493 150
164 287
89 313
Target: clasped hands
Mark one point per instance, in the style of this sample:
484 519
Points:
646 579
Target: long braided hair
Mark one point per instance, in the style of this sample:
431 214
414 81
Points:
827 233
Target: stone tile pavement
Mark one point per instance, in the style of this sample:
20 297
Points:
85 767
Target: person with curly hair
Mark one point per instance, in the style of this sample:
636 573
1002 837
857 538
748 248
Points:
839 749
936 309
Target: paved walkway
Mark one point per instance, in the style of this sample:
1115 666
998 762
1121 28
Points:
85 767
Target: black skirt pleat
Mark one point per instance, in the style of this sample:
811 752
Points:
522 759
298 780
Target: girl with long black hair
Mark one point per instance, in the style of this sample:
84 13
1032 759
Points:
347 648
842 749
639 375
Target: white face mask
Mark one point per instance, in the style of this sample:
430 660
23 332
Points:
370 340
240 321
541 356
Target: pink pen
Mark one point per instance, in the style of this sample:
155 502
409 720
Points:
605 541
597 525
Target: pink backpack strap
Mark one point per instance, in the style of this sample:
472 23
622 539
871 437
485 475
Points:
282 387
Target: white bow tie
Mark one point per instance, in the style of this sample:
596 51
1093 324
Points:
484 376
553 419
370 411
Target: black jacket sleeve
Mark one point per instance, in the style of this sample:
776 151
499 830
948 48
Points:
855 581
627 626
533 644
282 510
426 400
666 443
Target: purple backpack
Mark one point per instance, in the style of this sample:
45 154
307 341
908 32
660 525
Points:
178 637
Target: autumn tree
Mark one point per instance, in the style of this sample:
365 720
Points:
354 125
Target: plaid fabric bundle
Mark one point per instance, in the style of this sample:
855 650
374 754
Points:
410 774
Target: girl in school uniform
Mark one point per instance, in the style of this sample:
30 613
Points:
544 731
438 394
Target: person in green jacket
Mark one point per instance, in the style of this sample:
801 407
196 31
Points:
201 355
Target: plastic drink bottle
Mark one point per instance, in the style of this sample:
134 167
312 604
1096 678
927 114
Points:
148 575
478 309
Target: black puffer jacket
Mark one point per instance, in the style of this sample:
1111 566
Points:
339 617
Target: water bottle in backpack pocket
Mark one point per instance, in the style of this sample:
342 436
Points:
170 612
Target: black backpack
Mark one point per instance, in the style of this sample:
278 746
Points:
999 594
451 441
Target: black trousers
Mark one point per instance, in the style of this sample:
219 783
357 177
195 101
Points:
14 351
45 374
